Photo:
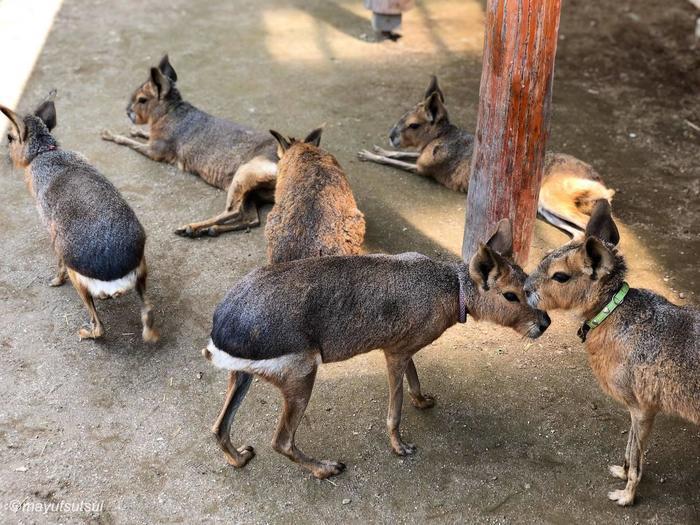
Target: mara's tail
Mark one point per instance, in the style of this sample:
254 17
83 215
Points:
567 199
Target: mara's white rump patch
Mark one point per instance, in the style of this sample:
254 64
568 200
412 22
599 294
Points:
265 367
262 165
560 197
104 289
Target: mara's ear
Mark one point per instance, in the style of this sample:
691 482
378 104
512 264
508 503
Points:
433 87
47 113
283 143
160 81
502 239
17 122
167 69
483 266
434 108
597 257
314 137
601 223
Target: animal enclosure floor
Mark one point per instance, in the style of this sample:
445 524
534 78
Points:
520 432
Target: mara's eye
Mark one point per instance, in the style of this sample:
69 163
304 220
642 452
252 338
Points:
142 100
10 138
415 125
511 297
561 277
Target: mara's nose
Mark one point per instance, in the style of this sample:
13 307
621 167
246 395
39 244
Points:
545 321
394 136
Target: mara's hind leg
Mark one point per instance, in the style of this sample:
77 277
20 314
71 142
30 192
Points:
96 331
238 384
249 217
387 161
642 422
296 384
61 274
257 174
149 333
418 399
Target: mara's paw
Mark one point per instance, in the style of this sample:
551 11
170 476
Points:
404 449
92 333
618 472
365 155
327 468
381 151
621 497
243 456
423 401
57 281
106 134
189 232
150 335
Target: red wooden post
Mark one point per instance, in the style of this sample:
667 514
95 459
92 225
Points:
513 121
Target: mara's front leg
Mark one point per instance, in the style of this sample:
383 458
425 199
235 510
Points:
152 150
387 161
396 368
139 133
396 154
642 422
418 399
620 471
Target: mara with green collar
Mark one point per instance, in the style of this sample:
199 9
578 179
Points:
642 348
609 308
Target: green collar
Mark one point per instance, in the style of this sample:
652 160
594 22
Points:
605 312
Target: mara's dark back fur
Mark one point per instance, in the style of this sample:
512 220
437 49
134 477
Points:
209 146
448 157
340 306
345 305
94 229
315 213
98 241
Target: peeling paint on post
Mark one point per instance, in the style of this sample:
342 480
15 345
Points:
512 127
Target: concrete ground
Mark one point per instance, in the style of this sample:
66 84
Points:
521 431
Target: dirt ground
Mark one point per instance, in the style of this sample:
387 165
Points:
521 431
